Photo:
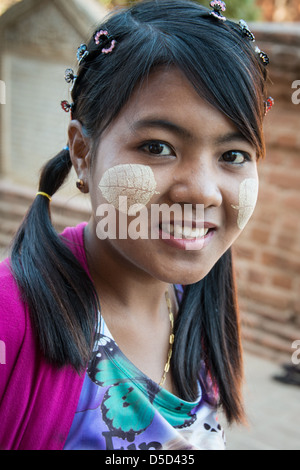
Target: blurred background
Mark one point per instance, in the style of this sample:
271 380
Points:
38 41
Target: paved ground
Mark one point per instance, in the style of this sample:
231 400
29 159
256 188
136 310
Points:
273 411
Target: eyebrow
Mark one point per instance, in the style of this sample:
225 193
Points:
182 132
163 124
231 136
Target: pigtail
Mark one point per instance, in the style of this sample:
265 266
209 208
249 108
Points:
57 290
207 331
55 172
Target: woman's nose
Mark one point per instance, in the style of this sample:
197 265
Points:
198 184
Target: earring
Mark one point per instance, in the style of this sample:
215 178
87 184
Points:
80 184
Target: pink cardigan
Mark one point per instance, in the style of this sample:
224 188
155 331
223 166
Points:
37 401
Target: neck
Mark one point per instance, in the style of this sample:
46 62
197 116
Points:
134 307
121 285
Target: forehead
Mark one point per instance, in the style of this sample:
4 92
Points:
168 95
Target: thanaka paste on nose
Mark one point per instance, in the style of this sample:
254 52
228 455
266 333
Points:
136 182
248 195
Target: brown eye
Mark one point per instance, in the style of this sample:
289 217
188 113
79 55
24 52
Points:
158 149
235 157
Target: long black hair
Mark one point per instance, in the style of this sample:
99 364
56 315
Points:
224 69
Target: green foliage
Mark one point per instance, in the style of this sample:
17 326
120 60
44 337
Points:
236 9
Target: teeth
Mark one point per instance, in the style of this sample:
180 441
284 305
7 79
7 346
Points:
168 228
184 232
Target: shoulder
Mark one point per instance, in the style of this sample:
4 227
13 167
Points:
12 309
73 237
9 293
13 321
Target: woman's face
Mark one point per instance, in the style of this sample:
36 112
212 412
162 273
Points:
166 147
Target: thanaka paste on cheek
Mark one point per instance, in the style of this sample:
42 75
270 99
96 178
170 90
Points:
136 182
248 195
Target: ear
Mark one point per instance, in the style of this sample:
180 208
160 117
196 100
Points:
80 147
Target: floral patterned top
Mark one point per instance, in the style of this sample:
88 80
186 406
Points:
122 409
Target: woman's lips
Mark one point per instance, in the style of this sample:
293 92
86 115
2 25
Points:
184 232
187 237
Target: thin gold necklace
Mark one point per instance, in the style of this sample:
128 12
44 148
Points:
172 339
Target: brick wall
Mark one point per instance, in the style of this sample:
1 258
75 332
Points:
15 199
268 253
282 10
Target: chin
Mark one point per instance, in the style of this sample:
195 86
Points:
183 277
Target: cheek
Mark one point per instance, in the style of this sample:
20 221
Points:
128 188
248 194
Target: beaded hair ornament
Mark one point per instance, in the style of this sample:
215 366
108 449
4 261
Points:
107 44
218 8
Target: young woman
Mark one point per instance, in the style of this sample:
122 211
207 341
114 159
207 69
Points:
128 337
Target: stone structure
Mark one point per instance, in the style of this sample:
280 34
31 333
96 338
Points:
38 41
268 253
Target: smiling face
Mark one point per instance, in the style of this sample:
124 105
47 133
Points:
196 157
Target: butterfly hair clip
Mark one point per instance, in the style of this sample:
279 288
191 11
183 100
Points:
246 30
66 106
269 103
249 35
82 53
263 56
